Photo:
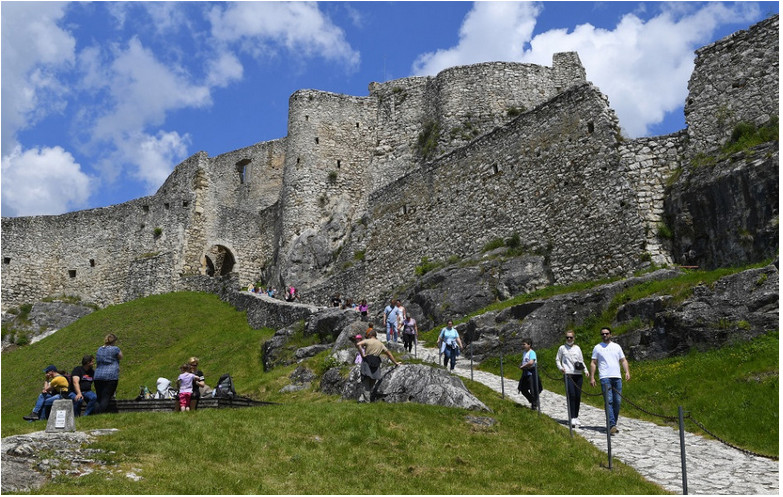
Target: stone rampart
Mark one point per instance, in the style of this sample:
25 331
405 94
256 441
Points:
554 166
735 79
350 202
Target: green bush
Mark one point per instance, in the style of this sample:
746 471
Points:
746 135
493 244
427 143
664 231
426 266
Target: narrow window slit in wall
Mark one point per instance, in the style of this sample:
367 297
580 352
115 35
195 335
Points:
307 118
72 273
92 262
590 127
185 203
316 140
338 163
166 206
242 170
6 260
145 208
494 168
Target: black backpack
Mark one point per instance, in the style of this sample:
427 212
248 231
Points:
225 388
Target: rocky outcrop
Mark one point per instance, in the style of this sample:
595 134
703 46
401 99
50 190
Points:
544 321
726 214
457 290
330 328
736 308
28 460
43 319
407 383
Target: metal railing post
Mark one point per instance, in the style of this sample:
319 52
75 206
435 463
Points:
682 452
502 383
535 389
471 361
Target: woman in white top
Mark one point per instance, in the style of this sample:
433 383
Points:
571 363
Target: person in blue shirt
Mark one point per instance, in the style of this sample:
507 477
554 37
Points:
450 344
390 317
528 367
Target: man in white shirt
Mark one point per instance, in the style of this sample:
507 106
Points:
609 356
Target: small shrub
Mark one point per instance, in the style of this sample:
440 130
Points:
426 266
746 135
513 241
358 255
332 176
427 143
453 259
513 111
157 232
664 231
347 265
645 257
493 244
22 340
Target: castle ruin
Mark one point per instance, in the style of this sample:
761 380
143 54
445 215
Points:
362 188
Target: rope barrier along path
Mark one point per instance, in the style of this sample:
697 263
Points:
651 449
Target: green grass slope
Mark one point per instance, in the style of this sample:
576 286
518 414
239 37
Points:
309 443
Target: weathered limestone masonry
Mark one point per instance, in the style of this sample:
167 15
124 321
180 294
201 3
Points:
553 175
350 200
340 149
735 79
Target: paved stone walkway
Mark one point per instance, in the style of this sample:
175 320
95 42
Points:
653 450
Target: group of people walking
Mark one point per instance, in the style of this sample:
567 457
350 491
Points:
607 357
399 323
103 370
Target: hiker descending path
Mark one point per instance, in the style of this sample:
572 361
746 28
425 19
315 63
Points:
653 450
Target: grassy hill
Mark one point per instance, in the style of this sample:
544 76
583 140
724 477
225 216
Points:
314 443
310 443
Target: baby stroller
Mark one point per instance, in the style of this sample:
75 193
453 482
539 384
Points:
165 390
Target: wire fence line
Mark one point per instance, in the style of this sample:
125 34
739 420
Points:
689 416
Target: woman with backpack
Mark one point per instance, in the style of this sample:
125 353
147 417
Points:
371 350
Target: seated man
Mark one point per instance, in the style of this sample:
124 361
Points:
82 387
54 386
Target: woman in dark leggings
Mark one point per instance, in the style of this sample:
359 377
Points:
107 371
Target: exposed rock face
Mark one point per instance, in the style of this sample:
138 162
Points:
45 318
544 321
413 383
458 290
726 215
24 468
331 326
737 308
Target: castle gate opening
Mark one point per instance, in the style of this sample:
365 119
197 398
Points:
219 261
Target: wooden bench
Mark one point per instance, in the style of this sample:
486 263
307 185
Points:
168 405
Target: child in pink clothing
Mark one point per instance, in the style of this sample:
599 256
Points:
185 386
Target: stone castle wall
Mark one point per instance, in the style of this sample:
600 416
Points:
735 79
554 166
347 203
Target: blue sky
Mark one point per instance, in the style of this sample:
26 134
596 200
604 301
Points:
101 100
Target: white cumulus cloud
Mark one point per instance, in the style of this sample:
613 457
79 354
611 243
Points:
42 181
642 65
300 27
33 47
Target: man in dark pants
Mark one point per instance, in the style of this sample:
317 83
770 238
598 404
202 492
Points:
82 387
